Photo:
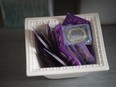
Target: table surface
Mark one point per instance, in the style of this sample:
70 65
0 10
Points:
13 64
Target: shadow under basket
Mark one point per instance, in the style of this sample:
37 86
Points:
34 63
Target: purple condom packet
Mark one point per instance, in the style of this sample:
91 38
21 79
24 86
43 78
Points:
46 40
42 54
47 59
72 47
52 39
39 40
50 35
72 19
55 58
84 52
58 35
70 59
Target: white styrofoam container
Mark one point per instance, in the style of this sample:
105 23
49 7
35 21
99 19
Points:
33 63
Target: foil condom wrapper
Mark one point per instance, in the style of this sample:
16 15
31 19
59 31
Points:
77 33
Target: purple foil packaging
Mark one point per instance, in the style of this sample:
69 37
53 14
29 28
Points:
69 58
84 52
58 35
75 52
55 58
50 36
72 19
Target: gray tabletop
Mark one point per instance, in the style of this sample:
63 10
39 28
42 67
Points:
13 64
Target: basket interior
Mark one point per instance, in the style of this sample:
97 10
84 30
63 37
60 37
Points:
34 62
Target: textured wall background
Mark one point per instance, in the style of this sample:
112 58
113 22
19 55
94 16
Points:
105 8
15 11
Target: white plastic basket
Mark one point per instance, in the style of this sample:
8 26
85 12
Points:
33 63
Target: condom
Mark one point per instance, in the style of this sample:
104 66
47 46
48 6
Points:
77 33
